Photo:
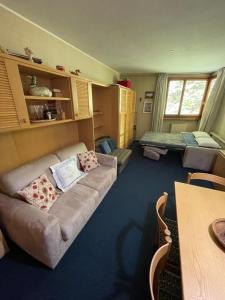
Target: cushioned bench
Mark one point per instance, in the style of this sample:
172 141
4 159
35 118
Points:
122 155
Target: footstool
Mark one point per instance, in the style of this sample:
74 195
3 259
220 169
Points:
151 154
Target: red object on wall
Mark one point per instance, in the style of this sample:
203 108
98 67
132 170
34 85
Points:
127 83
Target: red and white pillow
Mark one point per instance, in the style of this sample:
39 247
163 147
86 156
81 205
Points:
40 193
88 160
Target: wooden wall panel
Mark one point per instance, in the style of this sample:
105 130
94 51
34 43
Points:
86 132
19 147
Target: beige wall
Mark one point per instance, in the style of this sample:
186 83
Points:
219 127
17 33
181 125
146 82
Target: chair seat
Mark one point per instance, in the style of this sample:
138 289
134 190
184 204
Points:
170 286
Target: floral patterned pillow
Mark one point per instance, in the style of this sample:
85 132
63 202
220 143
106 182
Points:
88 160
40 193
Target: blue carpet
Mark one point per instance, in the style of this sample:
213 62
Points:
110 258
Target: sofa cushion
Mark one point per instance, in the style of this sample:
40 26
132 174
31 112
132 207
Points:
207 142
40 193
99 179
73 208
66 173
105 147
198 134
88 160
71 151
122 155
20 177
112 144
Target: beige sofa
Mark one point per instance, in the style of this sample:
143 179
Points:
200 158
47 236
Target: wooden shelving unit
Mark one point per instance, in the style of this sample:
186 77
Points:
98 126
28 97
43 124
84 111
61 107
98 113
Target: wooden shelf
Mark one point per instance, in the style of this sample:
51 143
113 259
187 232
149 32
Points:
46 98
98 126
98 113
37 125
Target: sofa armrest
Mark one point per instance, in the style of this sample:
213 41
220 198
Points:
107 160
37 232
199 158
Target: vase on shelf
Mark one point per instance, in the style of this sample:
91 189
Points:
35 90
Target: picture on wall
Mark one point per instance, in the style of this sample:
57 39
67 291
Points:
147 107
149 95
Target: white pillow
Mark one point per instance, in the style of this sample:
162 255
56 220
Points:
66 173
207 142
199 134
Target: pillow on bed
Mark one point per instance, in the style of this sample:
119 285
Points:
207 142
199 134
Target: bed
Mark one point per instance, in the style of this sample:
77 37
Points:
200 149
168 140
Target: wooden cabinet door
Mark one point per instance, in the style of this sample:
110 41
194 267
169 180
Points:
82 99
122 122
13 110
122 117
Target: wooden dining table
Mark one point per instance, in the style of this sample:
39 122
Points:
202 258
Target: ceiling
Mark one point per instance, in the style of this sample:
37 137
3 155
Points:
175 36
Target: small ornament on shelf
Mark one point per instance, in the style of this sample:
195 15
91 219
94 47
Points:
20 55
76 72
35 90
29 53
3 50
60 68
57 93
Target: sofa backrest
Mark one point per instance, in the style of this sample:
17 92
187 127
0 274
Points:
15 180
70 151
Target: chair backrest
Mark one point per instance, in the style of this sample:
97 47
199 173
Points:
205 176
160 210
157 265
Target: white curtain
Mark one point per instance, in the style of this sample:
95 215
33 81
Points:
213 103
159 103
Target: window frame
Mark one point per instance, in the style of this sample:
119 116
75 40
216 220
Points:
204 98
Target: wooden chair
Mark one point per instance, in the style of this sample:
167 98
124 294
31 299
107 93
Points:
205 176
160 210
166 226
163 284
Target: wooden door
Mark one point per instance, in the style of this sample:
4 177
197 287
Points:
129 119
13 110
132 115
82 99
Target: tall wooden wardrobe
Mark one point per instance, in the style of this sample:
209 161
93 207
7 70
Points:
114 113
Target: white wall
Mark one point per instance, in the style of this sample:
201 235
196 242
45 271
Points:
219 127
147 82
17 33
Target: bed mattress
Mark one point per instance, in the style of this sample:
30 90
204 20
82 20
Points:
168 140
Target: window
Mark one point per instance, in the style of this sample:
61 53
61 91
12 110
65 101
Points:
186 97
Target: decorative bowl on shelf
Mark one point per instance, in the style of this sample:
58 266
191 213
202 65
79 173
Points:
43 121
218 227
